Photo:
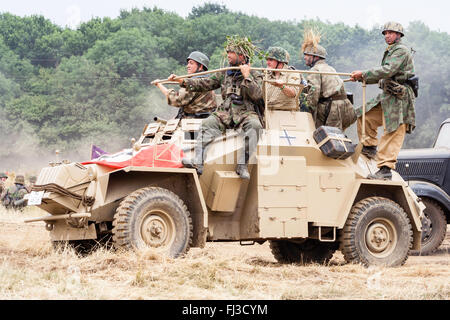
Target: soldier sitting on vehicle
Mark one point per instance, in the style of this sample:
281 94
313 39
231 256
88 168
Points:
191 104
326 99
279 95
13 196
241 92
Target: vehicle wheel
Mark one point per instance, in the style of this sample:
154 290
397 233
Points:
308 251
434 227
153 218
377 232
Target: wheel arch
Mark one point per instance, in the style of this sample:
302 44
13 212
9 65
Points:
429 190
183 182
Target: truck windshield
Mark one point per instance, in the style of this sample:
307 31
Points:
443 139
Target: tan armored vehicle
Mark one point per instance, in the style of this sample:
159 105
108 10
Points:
307 205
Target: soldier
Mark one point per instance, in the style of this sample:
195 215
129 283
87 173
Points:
12 197
394 107
327 99
191 104
241 92
279 95
3 178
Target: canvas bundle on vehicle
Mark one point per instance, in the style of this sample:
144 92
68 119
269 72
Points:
333 142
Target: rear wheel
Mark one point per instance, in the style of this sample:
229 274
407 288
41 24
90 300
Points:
304 252
377 232
434 227
153 218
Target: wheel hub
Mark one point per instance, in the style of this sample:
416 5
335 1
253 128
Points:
426 228
157 229
380 238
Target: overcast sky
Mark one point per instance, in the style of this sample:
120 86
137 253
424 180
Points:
366 13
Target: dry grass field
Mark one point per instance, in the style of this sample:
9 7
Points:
31 269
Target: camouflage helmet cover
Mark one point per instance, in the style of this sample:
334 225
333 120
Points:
199 57
3 175
20 179
318 51
278 53
393 26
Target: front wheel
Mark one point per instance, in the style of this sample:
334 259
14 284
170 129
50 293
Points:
377 232
153 218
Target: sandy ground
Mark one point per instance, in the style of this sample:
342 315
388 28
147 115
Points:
30 269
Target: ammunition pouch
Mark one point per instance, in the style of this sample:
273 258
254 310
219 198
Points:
413 82
393 88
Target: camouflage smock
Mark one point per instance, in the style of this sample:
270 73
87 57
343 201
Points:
398 65
13 193
276 99
192 102
342 114
231 82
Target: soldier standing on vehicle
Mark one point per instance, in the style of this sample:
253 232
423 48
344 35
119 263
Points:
326 99
12 197
191 104
241 92
279 95
394 107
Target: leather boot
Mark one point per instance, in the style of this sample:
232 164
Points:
369 151
196 162
242 171
383 174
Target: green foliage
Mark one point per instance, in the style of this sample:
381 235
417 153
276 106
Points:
70 88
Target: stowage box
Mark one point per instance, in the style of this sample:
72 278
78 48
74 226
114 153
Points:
333 142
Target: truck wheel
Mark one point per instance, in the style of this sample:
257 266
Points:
377 232
434 227
308 251
153 218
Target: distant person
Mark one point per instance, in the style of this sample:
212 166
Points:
13 196
191 104
3 178
394 107
281 96
326 99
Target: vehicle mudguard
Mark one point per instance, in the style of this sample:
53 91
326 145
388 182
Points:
429 190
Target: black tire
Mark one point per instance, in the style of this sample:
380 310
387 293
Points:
153 217
377 232
434 227
306 252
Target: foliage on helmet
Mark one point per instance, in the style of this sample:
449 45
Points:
393 26
278 54
311 46
244 46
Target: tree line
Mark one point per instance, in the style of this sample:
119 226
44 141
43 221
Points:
65 89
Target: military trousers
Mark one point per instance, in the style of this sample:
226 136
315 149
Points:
213 127
389 144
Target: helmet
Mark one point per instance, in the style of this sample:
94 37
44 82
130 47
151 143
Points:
278 53
32 179
318 51
241 45
20 179
199 57
3 175
393 26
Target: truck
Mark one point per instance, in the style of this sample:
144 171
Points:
427 171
